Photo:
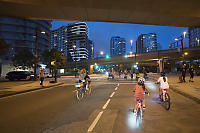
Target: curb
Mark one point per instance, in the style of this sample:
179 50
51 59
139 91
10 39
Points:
19 92
197 100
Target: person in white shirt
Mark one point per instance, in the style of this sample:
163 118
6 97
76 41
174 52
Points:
163 81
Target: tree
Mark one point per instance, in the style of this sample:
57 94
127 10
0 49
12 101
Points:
57 57
23 59
53 55
4 47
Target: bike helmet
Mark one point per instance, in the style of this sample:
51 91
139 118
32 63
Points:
162 74
141 81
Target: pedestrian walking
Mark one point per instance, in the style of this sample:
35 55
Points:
191 71
184 69
41 77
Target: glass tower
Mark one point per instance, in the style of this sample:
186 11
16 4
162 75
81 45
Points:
117 46
77 42
194 36
146 43
59 39
21 33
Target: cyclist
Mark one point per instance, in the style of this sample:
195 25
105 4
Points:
139 92
163 81
82 74
87 79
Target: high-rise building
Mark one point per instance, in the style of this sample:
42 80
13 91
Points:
77 42
194 36
90 49
23 33
146 43
59 39
117 46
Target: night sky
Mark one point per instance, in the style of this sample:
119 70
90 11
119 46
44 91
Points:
101 32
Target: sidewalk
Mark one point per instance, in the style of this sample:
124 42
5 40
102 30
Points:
13 90
188 89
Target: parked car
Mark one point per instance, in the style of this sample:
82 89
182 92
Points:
18 75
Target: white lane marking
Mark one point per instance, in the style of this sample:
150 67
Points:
110 83
116 88
121 83
105 105
128 83
112 94
95 122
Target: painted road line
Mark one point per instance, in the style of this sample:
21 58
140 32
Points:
110 83
105 105
95 122
128 83
112 94
116 88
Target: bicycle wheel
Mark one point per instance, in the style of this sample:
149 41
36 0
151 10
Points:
79 94
167 101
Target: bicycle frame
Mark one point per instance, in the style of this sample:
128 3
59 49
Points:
164 91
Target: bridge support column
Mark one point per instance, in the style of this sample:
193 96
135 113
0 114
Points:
160 65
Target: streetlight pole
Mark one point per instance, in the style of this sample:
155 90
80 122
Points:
197 41
36 53
37 31
131 46
184 33
74 48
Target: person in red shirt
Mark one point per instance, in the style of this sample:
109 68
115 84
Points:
140 89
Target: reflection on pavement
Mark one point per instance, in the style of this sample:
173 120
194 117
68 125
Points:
151 85
134 122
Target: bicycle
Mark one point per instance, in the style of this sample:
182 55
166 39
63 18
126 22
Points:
139 111
83 89
165 99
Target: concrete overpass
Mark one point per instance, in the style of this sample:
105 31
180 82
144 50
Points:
185 13
149 59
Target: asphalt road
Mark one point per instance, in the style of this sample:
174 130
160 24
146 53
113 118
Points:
55 110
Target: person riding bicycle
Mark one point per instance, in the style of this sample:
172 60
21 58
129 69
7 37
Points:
87 79
163 81
82 76
139 92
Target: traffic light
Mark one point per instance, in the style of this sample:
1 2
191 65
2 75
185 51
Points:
96 66
53 63
107 56
134 66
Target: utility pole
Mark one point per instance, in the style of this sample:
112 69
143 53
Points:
36 53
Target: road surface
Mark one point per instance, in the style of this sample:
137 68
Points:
106 110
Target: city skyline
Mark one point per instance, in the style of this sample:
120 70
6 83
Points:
101 32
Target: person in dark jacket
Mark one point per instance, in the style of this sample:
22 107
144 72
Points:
191 71
184 69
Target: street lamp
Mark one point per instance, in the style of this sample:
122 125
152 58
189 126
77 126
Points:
186 53
184 33
101 52
197 41
131 46
176 39
74 49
